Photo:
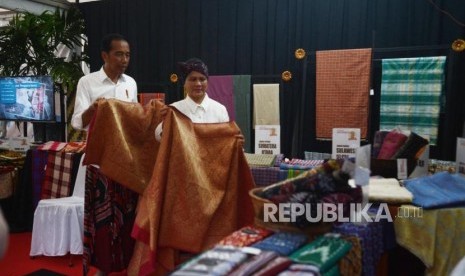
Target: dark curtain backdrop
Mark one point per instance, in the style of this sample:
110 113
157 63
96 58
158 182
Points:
259 37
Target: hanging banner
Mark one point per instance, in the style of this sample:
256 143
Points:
345 142
267 139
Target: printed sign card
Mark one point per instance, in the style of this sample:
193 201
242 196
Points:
345 142
267 139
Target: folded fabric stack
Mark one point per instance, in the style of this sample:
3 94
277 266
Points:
439 190
397 144
262 252
260 160
299 164
324 253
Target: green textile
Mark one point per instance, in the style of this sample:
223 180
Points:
323 252
411 94
242 107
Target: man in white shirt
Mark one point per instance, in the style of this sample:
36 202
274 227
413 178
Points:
197 105
109 82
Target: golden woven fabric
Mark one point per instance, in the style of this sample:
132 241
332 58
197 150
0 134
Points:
122 141
437 237
198 193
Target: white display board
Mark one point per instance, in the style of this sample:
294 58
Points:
345 142
267 139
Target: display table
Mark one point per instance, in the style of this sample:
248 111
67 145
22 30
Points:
435 236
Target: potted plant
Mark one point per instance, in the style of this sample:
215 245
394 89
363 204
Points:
31 45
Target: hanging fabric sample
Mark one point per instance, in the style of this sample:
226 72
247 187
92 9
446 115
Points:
266 104
220 88
411 90
233 92
242 106
342 90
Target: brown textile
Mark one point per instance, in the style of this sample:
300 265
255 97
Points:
342 90
122 141
198 194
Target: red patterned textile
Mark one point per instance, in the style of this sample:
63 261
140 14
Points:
57 180
52 146
246 236
342 90
109 212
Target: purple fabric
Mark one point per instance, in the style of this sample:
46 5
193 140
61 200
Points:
266 176
39 161
220 88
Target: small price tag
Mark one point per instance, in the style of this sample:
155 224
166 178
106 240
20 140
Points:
402 168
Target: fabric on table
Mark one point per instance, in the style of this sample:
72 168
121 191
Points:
342 91
411 91
388 190
57 180
378 142
371 238
221 89
201 179
323 252
242 107
392 142
275 266
109 212
436 236
283 243
219 261
412 147
351 263
121 140
439 190
302 270
52 146
260 160
266 176
254 263
266 104
245 236
299 164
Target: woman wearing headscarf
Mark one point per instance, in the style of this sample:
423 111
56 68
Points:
196 105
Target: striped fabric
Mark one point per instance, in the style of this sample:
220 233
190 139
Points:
52 146
411 90
342 91
57 180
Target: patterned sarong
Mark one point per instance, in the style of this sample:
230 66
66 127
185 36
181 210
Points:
411 90
109 212
57 180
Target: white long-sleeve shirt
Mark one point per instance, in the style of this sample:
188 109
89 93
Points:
98 85
209 111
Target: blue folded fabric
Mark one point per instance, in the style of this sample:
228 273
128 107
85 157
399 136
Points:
283 243
438 190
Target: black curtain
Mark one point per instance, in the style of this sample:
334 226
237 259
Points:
259 37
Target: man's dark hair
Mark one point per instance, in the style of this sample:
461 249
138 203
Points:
107 39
